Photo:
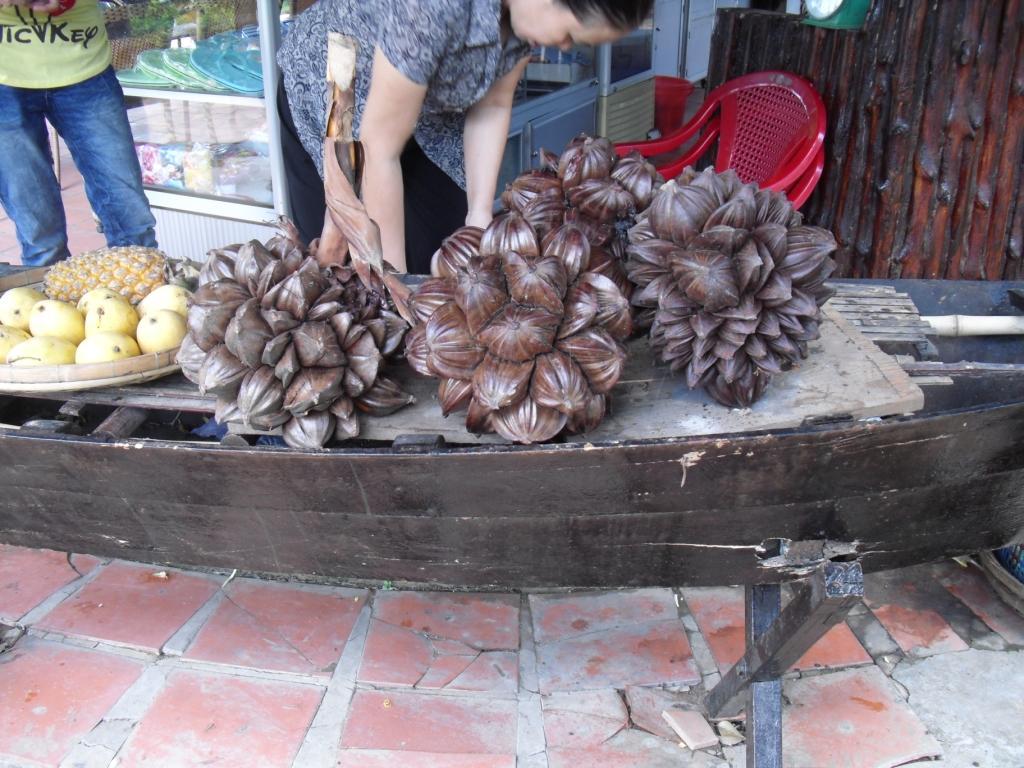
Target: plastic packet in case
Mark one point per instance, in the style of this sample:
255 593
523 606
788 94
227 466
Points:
162 164
243 170
198 167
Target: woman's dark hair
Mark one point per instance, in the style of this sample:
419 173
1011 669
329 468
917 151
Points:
624 14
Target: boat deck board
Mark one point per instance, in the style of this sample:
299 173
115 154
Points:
846 376
882 313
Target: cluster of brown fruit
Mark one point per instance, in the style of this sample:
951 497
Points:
735 279
284 343
523 322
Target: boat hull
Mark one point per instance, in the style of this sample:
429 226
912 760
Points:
675 512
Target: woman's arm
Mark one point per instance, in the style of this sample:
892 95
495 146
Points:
389 119
484 137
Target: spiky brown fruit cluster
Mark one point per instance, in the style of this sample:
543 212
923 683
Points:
523 322
519 331
284 343
735 279
588 185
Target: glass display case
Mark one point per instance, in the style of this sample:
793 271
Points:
196 75
551 70
216 150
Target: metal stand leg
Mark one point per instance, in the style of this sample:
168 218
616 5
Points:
764 699
775 641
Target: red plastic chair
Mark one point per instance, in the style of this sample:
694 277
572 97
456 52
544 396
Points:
770 128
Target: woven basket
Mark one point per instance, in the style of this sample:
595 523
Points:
1004 580
124 47
125 50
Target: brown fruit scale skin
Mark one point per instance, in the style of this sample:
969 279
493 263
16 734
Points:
284 343
523 322
734 279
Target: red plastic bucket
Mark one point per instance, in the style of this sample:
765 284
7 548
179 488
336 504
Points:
670 95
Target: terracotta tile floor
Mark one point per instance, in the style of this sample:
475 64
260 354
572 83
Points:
128 664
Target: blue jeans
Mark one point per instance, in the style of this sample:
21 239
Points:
90 116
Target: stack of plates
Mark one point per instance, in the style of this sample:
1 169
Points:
230 60
225 63
174 67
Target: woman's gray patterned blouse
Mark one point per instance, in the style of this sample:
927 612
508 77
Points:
451 46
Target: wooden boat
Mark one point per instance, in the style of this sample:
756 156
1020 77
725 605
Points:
116 472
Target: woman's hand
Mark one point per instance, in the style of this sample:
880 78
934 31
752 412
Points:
479 218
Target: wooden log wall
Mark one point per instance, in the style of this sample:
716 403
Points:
924 173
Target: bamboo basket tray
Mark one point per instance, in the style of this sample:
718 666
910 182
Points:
67 378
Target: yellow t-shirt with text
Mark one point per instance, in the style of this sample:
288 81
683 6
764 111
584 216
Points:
42 50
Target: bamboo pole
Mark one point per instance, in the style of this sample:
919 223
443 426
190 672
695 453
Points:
975 325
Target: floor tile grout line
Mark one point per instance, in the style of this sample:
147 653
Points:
962 619
178 662
531 744
179 642
700 649
439 693
247 673
321 745
529 678
42 609
100 746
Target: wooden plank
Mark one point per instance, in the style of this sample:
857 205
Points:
887 330
121 423
845 375
873 305
882 334
20 277
171 393
933 381
889 322
863 289
872 298
916 367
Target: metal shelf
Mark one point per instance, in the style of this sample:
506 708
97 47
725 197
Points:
240 100
193 223
211 206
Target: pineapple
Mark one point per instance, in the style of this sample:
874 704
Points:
132 270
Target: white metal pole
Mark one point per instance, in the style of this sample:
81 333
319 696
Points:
269 16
